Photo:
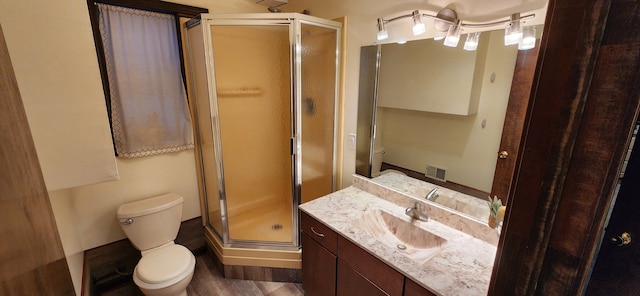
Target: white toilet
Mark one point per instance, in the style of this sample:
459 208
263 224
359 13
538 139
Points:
376 165
152 224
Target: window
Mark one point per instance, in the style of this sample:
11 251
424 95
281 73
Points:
143 75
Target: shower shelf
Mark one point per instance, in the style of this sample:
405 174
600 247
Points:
242 92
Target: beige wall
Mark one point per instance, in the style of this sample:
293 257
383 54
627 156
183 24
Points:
362 15
458 144
53 54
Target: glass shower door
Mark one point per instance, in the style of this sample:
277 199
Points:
252 74
318 60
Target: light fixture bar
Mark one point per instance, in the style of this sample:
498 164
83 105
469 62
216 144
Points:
496 23
451 22
447 18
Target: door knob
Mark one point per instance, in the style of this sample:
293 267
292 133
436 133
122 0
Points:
623 239
503 154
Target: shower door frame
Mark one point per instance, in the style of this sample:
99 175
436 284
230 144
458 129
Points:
294 22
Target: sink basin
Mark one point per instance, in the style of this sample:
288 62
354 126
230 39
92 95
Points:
416 243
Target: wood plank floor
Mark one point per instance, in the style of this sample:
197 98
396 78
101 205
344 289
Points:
208 281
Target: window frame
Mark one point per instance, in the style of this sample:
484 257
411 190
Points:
175 9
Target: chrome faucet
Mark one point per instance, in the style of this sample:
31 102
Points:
415 213
432 195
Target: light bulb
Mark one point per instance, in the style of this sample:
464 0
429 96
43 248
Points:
513 31
453 36
528 38
418 26
382 30
472 41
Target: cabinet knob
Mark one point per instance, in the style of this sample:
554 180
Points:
623 239
503 154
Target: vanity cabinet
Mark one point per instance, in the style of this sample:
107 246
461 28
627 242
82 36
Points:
411 288
319 244
333 265
376 277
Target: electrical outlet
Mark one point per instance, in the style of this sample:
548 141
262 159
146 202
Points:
352 141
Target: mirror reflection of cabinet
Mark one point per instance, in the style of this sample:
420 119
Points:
480 74
423 75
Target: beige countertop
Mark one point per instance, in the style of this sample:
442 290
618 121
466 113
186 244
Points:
461 266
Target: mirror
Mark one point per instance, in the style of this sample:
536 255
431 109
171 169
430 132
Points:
436 114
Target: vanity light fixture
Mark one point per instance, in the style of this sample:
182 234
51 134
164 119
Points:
513 31
449 27
418 25
453 35
382 30
440 35
528 40
472 41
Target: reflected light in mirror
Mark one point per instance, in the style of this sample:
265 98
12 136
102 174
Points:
382 30
453 36
528 38
472 41
419 27
513 31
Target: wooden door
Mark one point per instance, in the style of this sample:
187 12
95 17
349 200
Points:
514 122
617 267
32 261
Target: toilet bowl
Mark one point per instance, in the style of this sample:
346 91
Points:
151 225
390 171
376 164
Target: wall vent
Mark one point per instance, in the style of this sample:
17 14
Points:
436 173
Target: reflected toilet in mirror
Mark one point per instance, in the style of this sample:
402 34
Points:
376 166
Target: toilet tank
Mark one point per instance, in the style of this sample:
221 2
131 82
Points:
376 164
151 222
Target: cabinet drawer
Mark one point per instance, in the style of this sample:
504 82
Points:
376 271
319 232
411 288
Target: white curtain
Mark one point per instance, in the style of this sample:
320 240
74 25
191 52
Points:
149 110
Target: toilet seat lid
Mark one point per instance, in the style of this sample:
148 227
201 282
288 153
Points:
164 264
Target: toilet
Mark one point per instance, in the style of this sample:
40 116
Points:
376 165
151 225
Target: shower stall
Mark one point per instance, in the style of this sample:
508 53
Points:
264 91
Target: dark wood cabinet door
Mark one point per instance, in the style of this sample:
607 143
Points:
411 288
318 269
352 283
617 267
382 275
